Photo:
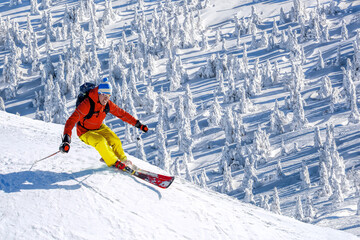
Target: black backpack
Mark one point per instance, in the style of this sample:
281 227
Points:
84 93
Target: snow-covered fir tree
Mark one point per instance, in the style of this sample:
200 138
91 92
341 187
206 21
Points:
185 140
283 17
304 176
245 104
320 63
344 31
299 213
150 100
214 114
279 171
249 196
228 185
188 175
299 120
266 204
261 145
45 4
163 156
225 159
354 116
189 106
249 174
196 128
326 88
283 149
228 125
133 89
317 138
277 120
109 14
275 205
309 211
203 179
337 197
34 8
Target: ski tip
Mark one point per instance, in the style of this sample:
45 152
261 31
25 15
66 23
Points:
169 182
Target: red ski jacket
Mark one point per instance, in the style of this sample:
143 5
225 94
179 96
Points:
97 118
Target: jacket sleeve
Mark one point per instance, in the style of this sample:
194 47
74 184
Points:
121 113
78 115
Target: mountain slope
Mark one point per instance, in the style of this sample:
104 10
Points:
74 196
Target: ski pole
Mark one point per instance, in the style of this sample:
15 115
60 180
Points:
43 159
138 138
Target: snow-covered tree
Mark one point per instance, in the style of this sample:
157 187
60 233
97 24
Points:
309 212
344 31
249 174
275 205
324 181
189 106
264 40
149 100
185 137
326 88
225 158
45 4
320 63
109 14
354 116
299 214
283 148
34 9
245 104
277 120
133 89
215 114
254 17
228 125
275 29
299 120
163 155
279 171
203 179
261 145
204 43
188 175
283 18
304 176
317 138
228 185
249 196
337 197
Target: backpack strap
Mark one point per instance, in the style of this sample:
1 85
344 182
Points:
107 108
91 111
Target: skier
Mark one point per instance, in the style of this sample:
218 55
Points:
92 131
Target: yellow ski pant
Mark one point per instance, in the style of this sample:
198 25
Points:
106 142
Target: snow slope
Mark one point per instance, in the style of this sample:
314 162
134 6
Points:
74 196
80 171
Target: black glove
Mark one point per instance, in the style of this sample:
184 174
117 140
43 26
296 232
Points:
65 145
144 128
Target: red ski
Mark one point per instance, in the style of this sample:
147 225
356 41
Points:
159 180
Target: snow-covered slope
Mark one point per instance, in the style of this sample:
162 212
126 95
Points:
74 196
